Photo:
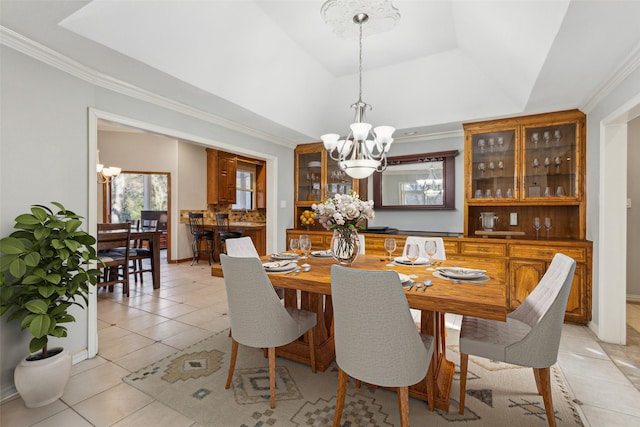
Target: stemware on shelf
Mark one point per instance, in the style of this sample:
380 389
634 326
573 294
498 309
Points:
547 225
413 253
537 226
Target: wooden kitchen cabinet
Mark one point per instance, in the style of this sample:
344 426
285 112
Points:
531 166
317 178
221 177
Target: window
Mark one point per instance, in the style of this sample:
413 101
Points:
245 186
135 192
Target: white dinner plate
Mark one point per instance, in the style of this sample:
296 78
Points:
405 261
280 266
461 273
321 254
284 256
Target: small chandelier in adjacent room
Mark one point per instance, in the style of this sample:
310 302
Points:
106 174
358 154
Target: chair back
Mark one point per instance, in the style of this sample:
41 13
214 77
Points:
222 221
196 223
543 310
376 338
420 241
114 235
258 318
149 220
241 247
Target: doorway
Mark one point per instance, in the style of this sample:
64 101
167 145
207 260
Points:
612 234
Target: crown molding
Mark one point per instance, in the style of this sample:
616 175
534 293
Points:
429 136
55 59
628 66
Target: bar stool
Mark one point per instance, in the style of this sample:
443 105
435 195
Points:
224 232
196 224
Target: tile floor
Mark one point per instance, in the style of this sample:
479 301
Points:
191 305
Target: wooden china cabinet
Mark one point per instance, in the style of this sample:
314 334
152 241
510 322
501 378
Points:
530 172
317 178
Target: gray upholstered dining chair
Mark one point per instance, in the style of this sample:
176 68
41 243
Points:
258 318
241 247
375 337
531 335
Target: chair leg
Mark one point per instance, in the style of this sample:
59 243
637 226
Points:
125 285
194 249
342 393
543 380
312 350
232 362
464 362
403 405
272 376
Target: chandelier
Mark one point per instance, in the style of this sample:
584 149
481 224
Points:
106 174
359 154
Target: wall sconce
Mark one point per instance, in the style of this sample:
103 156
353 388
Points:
106 174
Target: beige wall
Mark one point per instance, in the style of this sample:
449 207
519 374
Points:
184 161
633 214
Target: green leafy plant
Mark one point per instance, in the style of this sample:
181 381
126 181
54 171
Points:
47 267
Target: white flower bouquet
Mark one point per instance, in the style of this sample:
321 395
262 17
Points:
343 211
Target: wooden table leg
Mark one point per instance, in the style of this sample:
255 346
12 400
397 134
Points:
432 323
155 259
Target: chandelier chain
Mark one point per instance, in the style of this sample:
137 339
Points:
360 69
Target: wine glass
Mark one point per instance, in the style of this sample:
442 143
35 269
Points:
413 253
305 246
481 168
537 226
390 246
547 225
430 247
294 244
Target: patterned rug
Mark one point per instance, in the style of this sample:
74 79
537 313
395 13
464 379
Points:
192 382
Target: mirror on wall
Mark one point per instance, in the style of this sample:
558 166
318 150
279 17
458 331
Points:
417 181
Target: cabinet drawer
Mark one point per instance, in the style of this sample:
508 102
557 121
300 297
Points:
450 248
546 252
472 248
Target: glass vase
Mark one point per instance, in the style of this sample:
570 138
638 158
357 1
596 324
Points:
345 246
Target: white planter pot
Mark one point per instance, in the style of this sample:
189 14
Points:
41 382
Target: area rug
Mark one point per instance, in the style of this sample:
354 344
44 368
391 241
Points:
192 382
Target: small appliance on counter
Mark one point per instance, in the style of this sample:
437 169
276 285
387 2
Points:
489 220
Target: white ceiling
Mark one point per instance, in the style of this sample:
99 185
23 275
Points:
275 66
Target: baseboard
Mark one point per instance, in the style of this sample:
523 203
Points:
593 326
633 298
79 356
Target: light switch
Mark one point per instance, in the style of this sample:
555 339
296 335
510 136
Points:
283 204
513 218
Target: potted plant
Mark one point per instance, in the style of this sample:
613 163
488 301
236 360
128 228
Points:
47 266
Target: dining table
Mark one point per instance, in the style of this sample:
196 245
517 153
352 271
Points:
310 289
153 237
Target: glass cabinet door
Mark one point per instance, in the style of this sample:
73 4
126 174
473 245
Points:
309 176
493 174
550 162
338 182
